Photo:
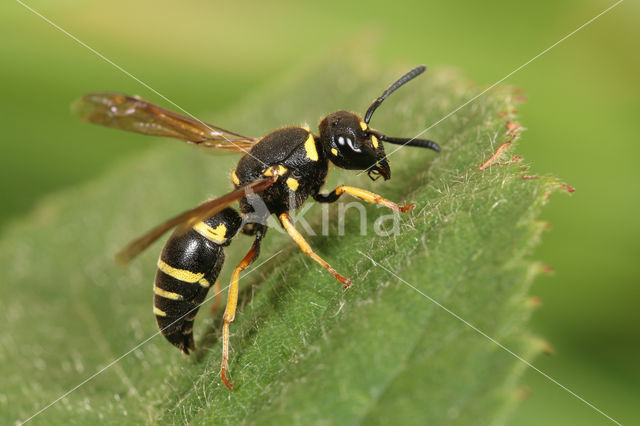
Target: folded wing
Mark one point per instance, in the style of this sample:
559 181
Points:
135 114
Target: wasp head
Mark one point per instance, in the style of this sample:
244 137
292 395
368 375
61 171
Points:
349 144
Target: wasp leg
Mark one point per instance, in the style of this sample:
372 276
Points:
362 194
232 301
217 291
285 219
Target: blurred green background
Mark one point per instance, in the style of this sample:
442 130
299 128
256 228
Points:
583 102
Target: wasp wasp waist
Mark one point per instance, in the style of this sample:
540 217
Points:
278 172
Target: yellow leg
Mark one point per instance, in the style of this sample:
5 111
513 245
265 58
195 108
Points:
217 291
285 219
370 197
232 303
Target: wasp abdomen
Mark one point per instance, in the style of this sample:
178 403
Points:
188 266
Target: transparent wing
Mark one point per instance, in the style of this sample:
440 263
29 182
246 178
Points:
135 114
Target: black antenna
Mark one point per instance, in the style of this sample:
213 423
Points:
399 82
422 143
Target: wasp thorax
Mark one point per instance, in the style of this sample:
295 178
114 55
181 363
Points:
349 144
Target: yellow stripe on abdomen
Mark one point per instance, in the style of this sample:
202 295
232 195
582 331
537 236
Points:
216 235
180 274
167 294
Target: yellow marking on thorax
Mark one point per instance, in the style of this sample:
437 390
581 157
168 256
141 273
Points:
334 151
234 178
204 283
167 294
159 312
292 184
363 125
179 274
280 170
216 235
374 140
310 148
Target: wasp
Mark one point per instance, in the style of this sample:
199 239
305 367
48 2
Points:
276 175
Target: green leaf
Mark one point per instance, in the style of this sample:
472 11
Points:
303 350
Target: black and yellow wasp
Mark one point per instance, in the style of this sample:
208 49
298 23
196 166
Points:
277 173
